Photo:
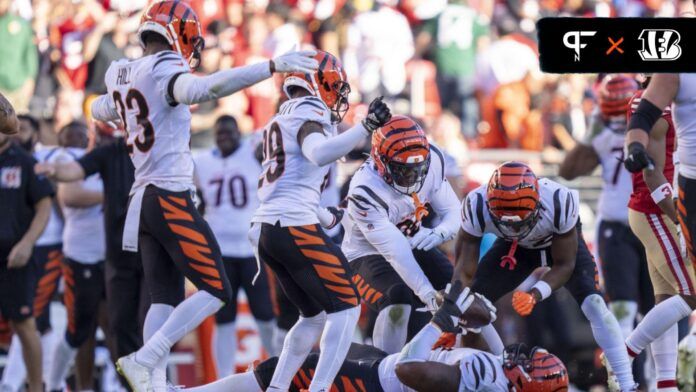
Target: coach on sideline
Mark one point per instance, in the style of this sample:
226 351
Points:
126 297
25 205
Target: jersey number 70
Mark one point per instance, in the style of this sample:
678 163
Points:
145 140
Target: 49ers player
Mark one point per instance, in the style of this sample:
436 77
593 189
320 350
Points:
300 143
624 265
392 256
424 364
537 224
150 95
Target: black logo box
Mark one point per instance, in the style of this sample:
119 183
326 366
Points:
555 57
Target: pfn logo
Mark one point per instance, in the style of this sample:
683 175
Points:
575 44
660 45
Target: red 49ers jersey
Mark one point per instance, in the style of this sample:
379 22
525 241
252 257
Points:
641 200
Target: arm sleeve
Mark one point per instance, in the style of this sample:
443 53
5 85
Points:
94 161
473 221
322 150
420 347
190 89
103 109
446 204
374 223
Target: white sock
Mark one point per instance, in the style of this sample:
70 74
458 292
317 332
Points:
224 348
14 374
62 359
185 317
658 320
242 382
298 343
607 334
625 313
279 335
664 353
495 343
650 383
155 318
334 345
266 330
391 328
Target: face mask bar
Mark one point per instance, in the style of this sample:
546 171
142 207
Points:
408 177
515 230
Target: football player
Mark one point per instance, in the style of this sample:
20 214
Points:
423 365
48 256
677 90
150 96
624 265
392 256
653 217
83 265
300 143
227 177
537 224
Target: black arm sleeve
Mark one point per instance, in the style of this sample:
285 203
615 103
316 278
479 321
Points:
94 161
645 116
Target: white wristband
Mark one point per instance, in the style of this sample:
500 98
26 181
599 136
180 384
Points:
543 288
662 192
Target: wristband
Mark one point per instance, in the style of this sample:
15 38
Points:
543 288
661 193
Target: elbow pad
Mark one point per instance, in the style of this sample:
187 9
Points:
645 116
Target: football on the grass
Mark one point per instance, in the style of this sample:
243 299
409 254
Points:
477 315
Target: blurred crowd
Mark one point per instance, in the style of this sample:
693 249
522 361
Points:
468 69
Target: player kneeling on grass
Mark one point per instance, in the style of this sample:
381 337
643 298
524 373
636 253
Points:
537 224
421 367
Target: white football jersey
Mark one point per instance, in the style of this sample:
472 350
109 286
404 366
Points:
558 214
53 233
290 184
228 186
331 196
158 132
84 240
370 198
616 180
683 112
480 371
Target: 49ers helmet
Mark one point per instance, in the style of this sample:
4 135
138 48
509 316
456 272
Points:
329 83
512 198
534 370
401 153
176 21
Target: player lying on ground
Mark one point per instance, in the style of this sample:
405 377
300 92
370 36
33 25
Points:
421 367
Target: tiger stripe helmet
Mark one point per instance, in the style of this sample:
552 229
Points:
615 92
512 198
178 23
401 153
329 83
534 370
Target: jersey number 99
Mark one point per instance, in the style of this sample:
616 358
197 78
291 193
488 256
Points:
272 151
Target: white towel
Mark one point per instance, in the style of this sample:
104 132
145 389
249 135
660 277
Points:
132 225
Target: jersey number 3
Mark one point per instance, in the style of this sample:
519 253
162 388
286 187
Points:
272 151
146 140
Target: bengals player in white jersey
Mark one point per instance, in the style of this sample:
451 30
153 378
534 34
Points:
537 224
300 143
150 96
227 175
391 255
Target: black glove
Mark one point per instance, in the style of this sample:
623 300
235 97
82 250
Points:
377 115
637 159
338 216
457 301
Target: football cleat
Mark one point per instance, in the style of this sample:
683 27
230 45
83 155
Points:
686 363
139 377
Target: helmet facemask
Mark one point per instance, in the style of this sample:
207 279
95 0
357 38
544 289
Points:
408 178
512 227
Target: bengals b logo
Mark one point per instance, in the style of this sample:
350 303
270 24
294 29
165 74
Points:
660 45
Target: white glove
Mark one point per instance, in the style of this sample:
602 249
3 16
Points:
426 239
491 308
295 61
430 300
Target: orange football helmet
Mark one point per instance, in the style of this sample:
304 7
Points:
401 153
176 21
615 93
534 370
329 83
512 198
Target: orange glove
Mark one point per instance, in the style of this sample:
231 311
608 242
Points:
523 303
447 340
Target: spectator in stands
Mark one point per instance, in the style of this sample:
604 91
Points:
454 37
19 58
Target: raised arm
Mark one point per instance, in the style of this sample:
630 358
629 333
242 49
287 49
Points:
580 161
